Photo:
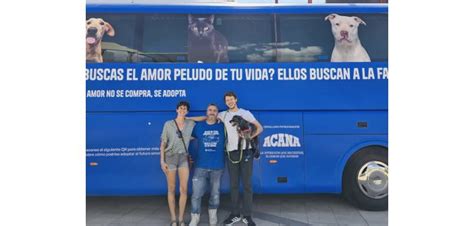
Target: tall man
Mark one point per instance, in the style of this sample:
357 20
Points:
209 163
240 166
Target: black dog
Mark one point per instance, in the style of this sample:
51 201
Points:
245 131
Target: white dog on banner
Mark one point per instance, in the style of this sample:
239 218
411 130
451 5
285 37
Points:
347 47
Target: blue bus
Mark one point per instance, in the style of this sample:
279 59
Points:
314 76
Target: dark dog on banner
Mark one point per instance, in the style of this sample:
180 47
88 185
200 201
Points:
246 130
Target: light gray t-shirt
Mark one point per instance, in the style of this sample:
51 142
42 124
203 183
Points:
174 144
231 131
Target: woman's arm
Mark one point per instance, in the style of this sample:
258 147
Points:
164 166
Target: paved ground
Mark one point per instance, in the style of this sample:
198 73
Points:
269 210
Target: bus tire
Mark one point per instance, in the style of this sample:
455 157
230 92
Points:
365 179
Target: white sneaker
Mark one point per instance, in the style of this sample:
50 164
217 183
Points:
213 217
194 219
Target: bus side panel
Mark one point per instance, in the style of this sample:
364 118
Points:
123 153
330 135
324 154
282 155
346 122
292 95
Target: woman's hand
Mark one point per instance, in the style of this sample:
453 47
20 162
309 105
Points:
164 167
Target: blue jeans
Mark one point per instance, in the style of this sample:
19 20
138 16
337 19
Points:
201 180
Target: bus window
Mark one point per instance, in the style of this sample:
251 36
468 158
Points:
164 38
113 55
206 38
250 37
121 46
309 38
356 1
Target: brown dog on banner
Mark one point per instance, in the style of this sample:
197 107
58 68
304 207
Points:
95 30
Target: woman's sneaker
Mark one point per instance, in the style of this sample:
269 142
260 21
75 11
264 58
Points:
248 221
232 219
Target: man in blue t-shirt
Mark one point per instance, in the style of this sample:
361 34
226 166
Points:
209 163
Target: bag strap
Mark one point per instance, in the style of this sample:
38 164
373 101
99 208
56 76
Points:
181 135
225 131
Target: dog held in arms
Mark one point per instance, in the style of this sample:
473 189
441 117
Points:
95 30
245 130
347 47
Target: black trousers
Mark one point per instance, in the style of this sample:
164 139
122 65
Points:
241 171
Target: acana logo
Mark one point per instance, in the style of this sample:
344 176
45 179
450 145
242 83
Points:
281 140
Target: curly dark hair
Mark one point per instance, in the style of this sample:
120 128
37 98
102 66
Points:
183 103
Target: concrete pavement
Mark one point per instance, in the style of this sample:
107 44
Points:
269 210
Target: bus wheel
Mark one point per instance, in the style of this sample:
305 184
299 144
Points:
365 179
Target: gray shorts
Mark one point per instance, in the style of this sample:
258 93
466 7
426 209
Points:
176 160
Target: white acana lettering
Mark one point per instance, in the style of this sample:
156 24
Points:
281 140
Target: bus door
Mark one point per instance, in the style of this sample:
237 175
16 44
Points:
282 164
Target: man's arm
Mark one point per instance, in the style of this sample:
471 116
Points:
259 128
197 118
250 118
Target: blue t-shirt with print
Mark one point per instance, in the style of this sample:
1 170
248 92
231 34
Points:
211 139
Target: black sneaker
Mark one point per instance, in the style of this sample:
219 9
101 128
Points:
248 221
232 219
